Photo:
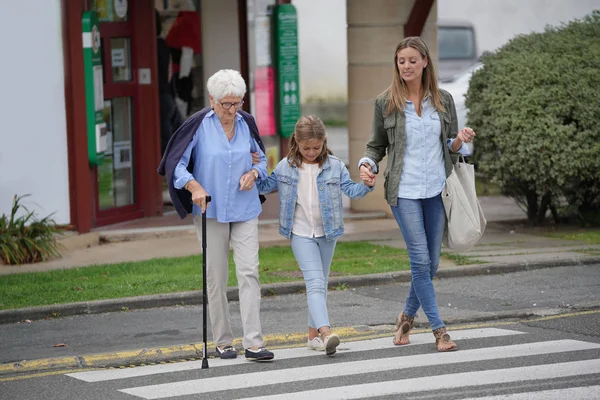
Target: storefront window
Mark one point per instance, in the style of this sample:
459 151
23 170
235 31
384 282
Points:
180 43
260 63
116 173
261 85
120 59
111 10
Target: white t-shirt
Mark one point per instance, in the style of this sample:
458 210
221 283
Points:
307 216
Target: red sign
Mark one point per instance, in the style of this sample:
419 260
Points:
264 100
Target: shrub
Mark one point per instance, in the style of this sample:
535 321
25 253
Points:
535 106
25 239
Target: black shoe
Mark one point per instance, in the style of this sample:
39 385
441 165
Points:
262 354
228 352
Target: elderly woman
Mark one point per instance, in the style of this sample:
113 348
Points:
211 155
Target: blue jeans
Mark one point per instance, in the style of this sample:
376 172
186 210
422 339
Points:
314 257
422 224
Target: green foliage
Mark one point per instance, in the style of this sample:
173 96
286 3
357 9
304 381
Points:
535 106
25 239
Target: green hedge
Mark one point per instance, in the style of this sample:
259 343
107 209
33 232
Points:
535 106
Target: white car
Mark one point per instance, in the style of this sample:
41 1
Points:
458 88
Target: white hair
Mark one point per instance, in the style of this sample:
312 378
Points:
226 82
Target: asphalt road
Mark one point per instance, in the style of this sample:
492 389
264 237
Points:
471 299
545 358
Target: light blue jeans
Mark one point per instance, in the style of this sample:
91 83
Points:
314 257
422 224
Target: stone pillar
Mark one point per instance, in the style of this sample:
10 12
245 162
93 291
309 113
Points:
375 27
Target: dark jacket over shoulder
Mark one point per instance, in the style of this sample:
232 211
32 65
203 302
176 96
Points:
181 198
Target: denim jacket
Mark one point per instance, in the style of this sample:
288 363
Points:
333 179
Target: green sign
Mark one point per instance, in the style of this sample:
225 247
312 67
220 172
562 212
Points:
286 69
94 88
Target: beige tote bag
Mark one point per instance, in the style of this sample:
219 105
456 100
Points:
465 220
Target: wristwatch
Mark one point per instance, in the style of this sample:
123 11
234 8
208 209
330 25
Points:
255 172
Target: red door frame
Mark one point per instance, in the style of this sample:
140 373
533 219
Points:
82 178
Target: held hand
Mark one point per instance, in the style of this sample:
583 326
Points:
247 181
369 181
466 135
255 158
199 198
367 175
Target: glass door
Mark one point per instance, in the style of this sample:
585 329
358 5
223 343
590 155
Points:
115 180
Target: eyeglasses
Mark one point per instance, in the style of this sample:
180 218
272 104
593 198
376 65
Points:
227 105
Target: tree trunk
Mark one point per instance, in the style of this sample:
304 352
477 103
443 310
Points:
545 203
532 206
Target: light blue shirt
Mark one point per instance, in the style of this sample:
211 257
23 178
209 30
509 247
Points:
218 166
423 172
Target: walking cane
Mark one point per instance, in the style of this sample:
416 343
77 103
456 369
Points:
204 295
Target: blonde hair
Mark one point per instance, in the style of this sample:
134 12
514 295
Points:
308 127
397 92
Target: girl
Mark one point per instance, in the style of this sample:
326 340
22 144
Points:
310 182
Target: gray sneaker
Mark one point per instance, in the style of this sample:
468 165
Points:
331 343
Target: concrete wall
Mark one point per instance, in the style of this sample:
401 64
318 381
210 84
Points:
375 27
220 37
33 139
322 50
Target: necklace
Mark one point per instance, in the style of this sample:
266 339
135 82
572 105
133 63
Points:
230 130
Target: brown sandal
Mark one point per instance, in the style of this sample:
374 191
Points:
403 326
443 341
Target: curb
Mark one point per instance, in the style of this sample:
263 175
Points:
193 351
125 235
195 297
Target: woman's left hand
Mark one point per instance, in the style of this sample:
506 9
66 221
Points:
466 134
247 181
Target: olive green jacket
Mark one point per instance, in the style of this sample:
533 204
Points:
388 135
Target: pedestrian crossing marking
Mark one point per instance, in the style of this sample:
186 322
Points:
284 354
585 392
449 381
248 380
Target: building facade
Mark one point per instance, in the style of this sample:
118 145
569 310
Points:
47 146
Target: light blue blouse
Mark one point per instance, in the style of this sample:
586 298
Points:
218 167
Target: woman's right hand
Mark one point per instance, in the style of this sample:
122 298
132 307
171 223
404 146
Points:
367 175
199 197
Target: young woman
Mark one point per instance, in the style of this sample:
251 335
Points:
415 124
310 182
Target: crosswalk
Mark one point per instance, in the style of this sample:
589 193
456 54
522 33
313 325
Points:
489 361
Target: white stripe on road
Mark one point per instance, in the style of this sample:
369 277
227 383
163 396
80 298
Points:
450 381
284 354
576 393
249 380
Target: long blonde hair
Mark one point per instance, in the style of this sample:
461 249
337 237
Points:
397 92
308 127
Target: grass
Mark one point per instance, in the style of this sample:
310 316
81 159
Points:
459 259
168 275
591 236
